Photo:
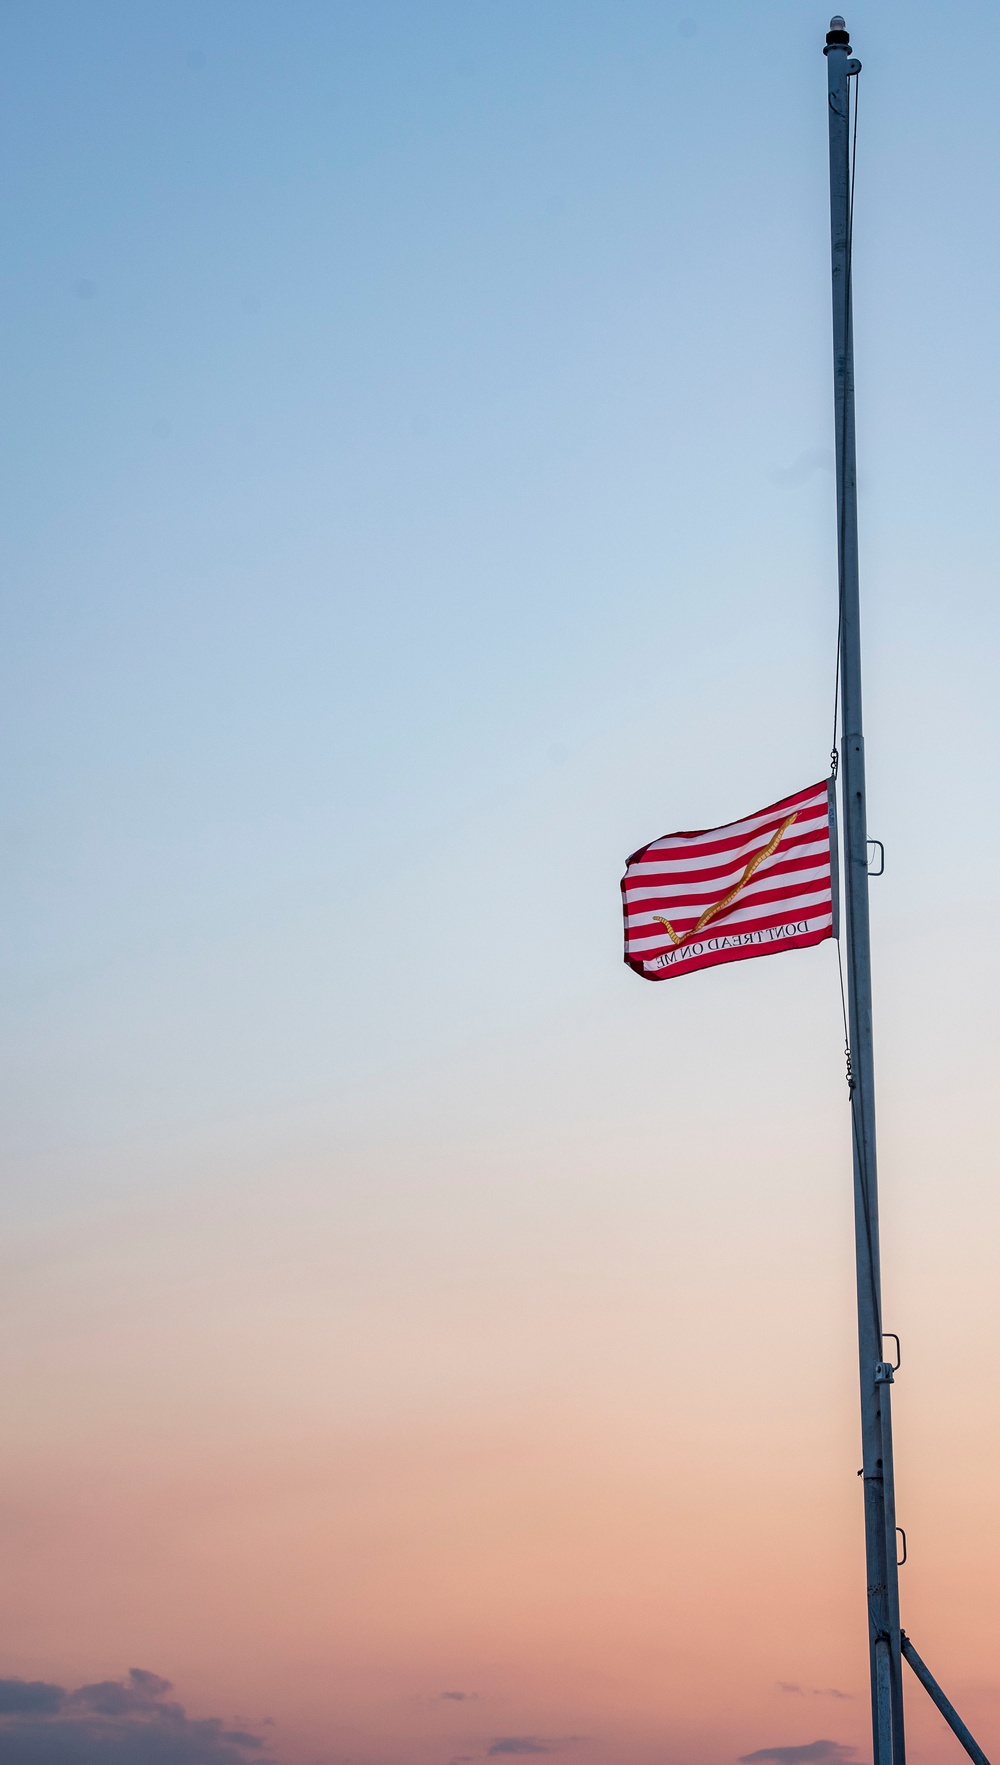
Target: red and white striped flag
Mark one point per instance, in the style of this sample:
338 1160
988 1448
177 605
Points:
750 888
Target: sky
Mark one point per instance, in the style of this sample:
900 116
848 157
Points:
423 1342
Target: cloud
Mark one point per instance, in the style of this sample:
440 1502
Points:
818 1691
816 1752
458 1697
113 1722
30 1697
527 1743
816 459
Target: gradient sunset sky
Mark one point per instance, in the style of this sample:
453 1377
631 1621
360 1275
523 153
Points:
423 1342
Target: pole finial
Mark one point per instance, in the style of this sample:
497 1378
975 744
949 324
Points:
837 23
838 36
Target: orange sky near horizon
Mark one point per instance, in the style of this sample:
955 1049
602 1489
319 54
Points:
568 1428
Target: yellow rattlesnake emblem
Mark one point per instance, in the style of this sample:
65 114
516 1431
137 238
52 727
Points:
720 906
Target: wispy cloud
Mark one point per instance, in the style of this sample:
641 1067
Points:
815 1752
815 459
113 1722
532 1743
818 1691
458 1697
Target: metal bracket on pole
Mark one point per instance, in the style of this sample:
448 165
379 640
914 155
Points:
944 1704
890 1336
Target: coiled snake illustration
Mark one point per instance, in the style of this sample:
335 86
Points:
720 906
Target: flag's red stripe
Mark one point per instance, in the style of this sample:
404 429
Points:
697 889
655 876
775 812
817 913
692 911
766 932
817 792
680 912
695 900
677 846
753 915
803 849
662 856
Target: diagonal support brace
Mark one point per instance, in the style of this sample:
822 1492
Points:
944 1704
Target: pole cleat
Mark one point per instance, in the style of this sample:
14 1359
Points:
883 1373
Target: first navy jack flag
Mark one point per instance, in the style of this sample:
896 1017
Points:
751 888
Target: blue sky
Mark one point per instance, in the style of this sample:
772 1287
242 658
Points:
405 397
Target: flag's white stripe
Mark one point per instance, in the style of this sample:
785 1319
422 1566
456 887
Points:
807 922
803 858
799 887
765 945
814 816
775 868
684 858
800 907
702 858
657 940
816 923
642 936
677 876
760 883
754 935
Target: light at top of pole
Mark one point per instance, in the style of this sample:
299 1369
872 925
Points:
837 36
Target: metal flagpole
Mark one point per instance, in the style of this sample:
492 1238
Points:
876 1372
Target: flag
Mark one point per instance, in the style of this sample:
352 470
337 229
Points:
751 888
